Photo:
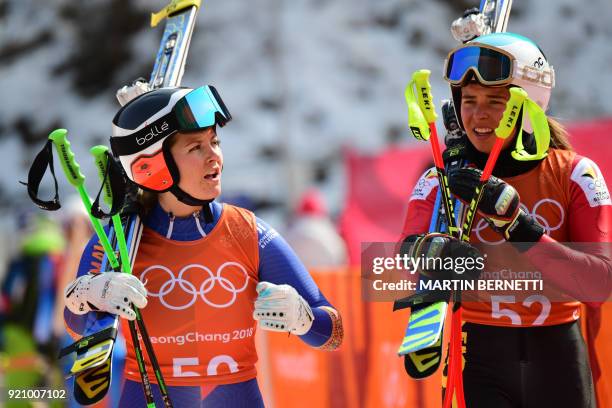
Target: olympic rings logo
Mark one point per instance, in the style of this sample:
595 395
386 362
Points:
483 225
205 288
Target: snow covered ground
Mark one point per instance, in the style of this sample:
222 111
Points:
303 78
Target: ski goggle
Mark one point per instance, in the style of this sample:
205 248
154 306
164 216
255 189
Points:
199 109
491 66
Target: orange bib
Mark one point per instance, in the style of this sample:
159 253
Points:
201 297
545 195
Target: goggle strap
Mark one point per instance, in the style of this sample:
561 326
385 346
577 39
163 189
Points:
43 160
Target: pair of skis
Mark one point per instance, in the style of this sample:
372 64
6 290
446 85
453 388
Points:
92 367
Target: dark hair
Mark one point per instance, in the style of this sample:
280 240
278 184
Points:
147 200
559 138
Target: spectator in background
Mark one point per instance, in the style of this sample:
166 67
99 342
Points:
28 347
313 235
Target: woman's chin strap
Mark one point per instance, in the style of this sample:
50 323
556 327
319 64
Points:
185 198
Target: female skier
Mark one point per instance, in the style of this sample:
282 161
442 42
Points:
523 353
205 272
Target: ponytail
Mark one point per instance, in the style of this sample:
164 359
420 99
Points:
559 138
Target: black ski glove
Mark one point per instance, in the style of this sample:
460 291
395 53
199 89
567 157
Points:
499 205
443 257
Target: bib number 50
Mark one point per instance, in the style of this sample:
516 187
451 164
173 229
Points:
179 365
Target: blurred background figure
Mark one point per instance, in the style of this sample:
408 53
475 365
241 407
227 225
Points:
77 231
28 343
313 235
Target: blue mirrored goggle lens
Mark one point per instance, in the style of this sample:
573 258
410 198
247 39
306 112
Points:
493 66
199 109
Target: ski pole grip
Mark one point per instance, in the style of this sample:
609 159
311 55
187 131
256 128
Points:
424 97
71 167
101 159
416 120
511 114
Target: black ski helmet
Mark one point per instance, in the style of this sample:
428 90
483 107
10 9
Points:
142 127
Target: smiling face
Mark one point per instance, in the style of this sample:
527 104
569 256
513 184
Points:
482 108
199 160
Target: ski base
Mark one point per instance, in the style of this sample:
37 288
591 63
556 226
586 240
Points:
424 327
91 350
91 386
423 363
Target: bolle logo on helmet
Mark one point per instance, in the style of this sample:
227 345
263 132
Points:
153 132
533 74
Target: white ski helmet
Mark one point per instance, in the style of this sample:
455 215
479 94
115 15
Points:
501 59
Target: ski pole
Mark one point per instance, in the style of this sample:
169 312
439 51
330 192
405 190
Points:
73 173
421 111
101 159
503 131
426 106
98 152
77 179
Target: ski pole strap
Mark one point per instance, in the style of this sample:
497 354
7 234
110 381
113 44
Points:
114 186
43 160
89 341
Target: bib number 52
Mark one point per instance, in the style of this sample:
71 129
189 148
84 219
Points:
498 311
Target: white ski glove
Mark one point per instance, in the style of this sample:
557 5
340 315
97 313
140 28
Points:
281 308
111 292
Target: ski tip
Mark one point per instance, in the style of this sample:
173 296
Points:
175 6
